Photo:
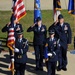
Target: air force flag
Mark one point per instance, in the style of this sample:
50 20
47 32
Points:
37 10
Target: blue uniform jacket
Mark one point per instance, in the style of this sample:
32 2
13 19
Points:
21 56
39 36
51 47
6 29
64 34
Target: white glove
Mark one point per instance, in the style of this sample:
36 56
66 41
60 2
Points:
12 59
16 50
49 54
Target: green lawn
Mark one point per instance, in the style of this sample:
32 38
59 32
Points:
47 19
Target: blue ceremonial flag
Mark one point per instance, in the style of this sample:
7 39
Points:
71 7
37 10
46 51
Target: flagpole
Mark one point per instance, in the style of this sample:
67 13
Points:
74 25
74 33
74 16
12 61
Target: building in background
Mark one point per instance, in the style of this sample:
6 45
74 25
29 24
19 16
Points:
29 4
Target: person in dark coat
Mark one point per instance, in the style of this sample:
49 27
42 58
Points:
20 54
63 31
50 53
39 39
17 26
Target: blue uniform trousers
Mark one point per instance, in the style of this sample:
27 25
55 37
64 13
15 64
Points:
51 66
62 58
39 55
20 68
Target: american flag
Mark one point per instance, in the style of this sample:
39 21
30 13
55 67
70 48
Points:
18 9
18 13
11 38
56 9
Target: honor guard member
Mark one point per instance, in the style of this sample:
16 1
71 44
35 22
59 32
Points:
63 30
20 56
50 53
39 38
17 26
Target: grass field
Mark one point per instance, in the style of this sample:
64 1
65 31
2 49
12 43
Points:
47 19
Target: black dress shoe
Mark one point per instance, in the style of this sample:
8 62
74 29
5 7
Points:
58 69
65 69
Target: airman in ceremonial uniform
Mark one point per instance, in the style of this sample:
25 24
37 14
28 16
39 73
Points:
17 26
50 53
63 31
20 56
39 38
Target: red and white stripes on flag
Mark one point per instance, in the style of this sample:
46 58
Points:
19 9
11 38
56 9
11 44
